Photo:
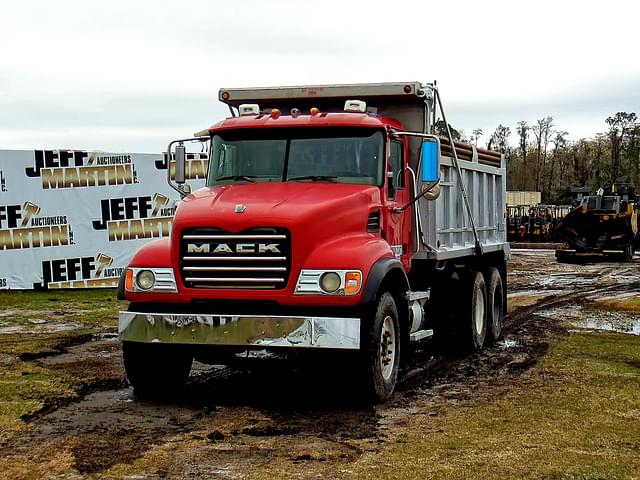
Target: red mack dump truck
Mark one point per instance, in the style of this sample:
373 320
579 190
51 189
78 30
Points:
333 220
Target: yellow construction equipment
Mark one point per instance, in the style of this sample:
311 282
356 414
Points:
601 226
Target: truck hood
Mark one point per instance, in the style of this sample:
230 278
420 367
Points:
293 205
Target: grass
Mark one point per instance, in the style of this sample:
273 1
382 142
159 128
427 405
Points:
26 386
523 300
576 416
94 307
30 345
44 300
629 304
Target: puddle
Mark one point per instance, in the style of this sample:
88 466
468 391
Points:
536 291
618 322
105 336
507 343
599 320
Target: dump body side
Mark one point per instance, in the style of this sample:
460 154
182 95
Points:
446 226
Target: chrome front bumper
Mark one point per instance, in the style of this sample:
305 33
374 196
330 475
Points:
241 330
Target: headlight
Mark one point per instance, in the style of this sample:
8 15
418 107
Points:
329 282
145 279
150 280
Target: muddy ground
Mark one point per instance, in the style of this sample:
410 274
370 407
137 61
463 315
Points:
278 421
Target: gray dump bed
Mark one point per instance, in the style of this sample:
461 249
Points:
443 227
446 226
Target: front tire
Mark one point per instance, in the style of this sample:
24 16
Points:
156 370
381 350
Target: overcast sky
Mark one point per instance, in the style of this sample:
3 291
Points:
131 75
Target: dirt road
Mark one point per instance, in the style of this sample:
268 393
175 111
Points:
278 421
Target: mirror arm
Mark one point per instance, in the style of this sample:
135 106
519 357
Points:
414 134
415 199
424 190
182 191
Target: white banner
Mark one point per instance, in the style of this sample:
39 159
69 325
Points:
74 219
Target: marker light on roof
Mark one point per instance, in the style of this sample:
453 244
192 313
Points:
295 112
249 109
275 113
314 111
356 106
225 95
407 89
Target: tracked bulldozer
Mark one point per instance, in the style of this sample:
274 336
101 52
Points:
601 226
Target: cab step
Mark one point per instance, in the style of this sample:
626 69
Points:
420 335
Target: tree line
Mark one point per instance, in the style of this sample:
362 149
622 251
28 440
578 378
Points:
544 160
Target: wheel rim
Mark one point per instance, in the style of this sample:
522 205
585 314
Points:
387 347
479 313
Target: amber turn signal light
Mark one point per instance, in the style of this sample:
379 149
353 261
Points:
128 280
352 283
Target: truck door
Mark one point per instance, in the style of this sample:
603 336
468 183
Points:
397 226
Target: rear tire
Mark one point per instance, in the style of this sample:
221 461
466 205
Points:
156 370
495 304
474 313
381 350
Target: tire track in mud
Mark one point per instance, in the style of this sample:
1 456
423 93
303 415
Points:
525 338
555 301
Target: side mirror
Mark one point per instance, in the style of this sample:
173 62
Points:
430 161
180 155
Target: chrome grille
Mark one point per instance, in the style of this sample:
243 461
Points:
258 258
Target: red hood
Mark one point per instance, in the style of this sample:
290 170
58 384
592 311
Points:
293 205
315 214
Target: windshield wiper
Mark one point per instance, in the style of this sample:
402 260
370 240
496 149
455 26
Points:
316 178
246 178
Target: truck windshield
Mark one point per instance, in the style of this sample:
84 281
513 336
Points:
342 155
